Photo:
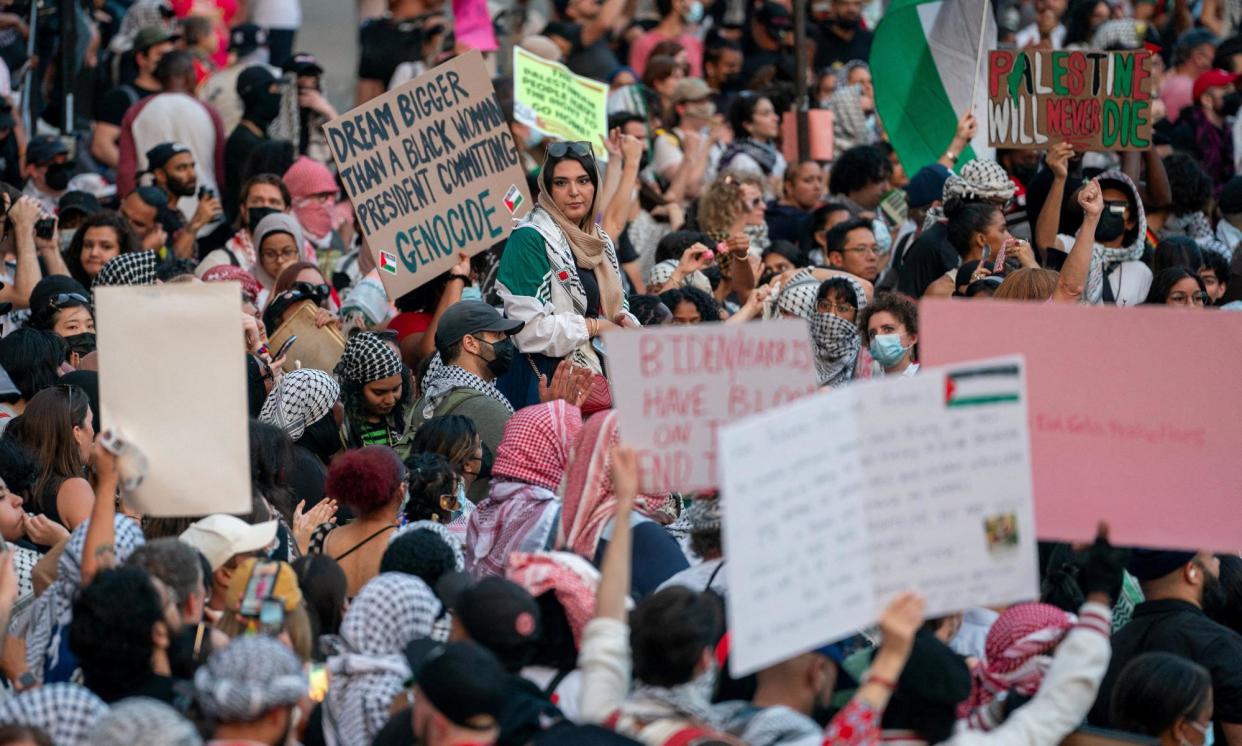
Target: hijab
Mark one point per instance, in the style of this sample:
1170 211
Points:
586 239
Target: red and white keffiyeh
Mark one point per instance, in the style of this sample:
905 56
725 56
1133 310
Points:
574 581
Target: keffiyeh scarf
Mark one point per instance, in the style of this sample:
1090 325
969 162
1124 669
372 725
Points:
763 153
367 357
574 581
1103 258
439 529
53 610
980 180
249 677
530 463
835 341
664 270
228 273
369 667
65 712
1017 654
440 381
301 398
1195 225
133 268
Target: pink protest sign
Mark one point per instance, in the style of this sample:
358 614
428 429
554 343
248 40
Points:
1132 414
674 386
473 26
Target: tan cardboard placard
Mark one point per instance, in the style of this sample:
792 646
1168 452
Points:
432 171
1098 101
172 381
318 347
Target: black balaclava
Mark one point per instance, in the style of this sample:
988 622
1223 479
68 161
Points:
261 107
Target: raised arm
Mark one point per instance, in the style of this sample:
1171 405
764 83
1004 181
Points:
599 26
1049 221
99 552
1072 281
24 214
616 214
961 138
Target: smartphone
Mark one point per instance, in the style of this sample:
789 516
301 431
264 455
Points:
45 228
259 589
205 191
271 617
285 347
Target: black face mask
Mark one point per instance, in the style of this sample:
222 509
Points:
846 24
1111 226
1232 103
732 83
503 353
58 176
1025 173
263 109
322 438
255 215
83 343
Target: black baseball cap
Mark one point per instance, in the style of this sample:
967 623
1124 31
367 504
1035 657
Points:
462 680
472 317
81 202
254 79
775 16
303 63
43 148
501 616
246 38
163 153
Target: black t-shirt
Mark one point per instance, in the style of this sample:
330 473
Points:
398 731
10 162
1180 628
926 261
788 223
237 151
114 104
307 476
833 50
594 60
385 43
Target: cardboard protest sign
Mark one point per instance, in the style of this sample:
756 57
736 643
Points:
551 99
1130 418
432 171
472 26
180 398
838 502
318 347
1095 100
672 386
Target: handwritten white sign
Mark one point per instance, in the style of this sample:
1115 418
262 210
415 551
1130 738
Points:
836 503
672 386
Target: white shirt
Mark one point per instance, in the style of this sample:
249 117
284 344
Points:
277 14
1030 35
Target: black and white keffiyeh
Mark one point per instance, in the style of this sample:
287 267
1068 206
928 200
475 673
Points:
142 720
68 713
704 514
367 357
369 667
249 677
836 342
54 609
981 179
301 398
133 268
441 379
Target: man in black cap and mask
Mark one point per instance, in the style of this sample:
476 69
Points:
843 39
475 348
1182 589
259 90
47 171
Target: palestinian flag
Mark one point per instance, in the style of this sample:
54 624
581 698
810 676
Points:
995 384
923 61
388 262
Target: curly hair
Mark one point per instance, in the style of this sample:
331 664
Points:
721 203
902 307
421 553
111 630
707 306
857 168
367 479
430 477
355 402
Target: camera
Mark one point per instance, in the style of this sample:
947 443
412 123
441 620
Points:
45 228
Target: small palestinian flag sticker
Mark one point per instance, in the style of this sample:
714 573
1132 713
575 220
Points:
388 263
999 384
513 199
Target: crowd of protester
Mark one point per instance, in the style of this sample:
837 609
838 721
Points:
446 542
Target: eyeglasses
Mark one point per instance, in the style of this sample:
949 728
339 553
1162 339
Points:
1188 299
286 253
753 203
869 249
840 309
580 148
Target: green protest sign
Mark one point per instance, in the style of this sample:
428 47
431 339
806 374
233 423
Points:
550 98
432 171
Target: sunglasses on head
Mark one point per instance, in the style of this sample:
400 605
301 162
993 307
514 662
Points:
319 292
63 300
580 148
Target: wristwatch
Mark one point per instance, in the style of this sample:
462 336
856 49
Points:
952 156
463 278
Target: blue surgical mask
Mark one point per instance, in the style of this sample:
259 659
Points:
471 292
1209 733
887 349
695 13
